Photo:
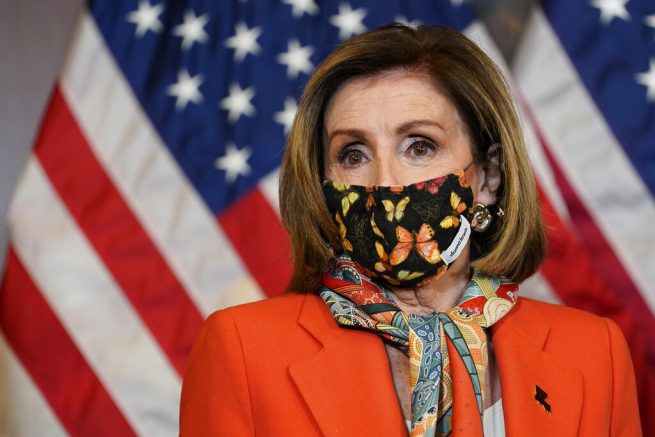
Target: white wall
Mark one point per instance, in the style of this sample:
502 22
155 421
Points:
34 35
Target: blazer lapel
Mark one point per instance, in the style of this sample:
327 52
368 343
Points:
347 384
532 381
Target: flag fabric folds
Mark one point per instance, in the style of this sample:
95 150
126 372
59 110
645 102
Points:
150 197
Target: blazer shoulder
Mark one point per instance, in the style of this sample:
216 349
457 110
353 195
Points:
561 315
571 327
268 320
278 307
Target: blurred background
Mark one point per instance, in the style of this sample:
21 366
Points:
139 148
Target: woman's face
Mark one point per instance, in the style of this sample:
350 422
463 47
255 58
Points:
395 128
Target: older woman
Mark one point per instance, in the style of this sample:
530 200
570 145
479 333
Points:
413 215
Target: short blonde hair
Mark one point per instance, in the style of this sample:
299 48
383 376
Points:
514 246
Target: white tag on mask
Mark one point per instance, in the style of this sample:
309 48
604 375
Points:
459 242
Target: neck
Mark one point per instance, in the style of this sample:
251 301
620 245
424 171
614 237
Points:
437 295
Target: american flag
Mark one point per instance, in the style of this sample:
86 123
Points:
150 198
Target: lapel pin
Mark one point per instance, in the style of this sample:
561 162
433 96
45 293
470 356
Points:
540 396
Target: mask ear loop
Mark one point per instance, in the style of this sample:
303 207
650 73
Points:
476 158
469 164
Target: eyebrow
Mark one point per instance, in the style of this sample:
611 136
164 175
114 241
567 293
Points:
416 123
403 128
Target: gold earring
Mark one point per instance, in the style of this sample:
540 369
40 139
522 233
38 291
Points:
483 216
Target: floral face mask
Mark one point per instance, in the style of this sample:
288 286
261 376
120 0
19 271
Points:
403 235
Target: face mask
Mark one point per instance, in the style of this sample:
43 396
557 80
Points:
403 235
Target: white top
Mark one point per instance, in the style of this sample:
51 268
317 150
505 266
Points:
493 423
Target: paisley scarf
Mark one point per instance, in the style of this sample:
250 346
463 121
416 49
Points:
357 301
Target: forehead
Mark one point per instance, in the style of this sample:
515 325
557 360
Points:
388 98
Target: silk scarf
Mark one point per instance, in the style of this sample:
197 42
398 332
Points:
356 301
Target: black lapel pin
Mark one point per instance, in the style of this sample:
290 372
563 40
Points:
540 396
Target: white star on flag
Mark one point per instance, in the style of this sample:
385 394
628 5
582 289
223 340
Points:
457 2
186 89
286 116
234 163
650 21
349 21
647 79
244 41
610 9
402 19
146 18
296 59
192 29
237 103
300 7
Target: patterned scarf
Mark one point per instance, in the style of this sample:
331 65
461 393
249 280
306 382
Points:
356 301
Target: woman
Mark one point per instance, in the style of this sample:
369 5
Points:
413 214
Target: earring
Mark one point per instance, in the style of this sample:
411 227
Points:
483 217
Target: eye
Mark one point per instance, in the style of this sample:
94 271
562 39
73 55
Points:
351 157
421 147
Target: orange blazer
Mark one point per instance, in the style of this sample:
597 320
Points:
283 367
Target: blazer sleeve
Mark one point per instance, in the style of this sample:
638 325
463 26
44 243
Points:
215 398
625 408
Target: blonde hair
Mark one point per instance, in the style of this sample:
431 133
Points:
514 246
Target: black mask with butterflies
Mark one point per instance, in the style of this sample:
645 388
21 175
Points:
403 235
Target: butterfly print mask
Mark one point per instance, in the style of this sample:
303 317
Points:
403 235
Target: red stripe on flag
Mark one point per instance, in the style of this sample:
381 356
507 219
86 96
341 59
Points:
601 254
116 234
54 363
261 241
569 269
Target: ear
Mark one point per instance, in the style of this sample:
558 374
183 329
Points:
491 176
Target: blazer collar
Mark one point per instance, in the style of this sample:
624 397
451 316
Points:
349 389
